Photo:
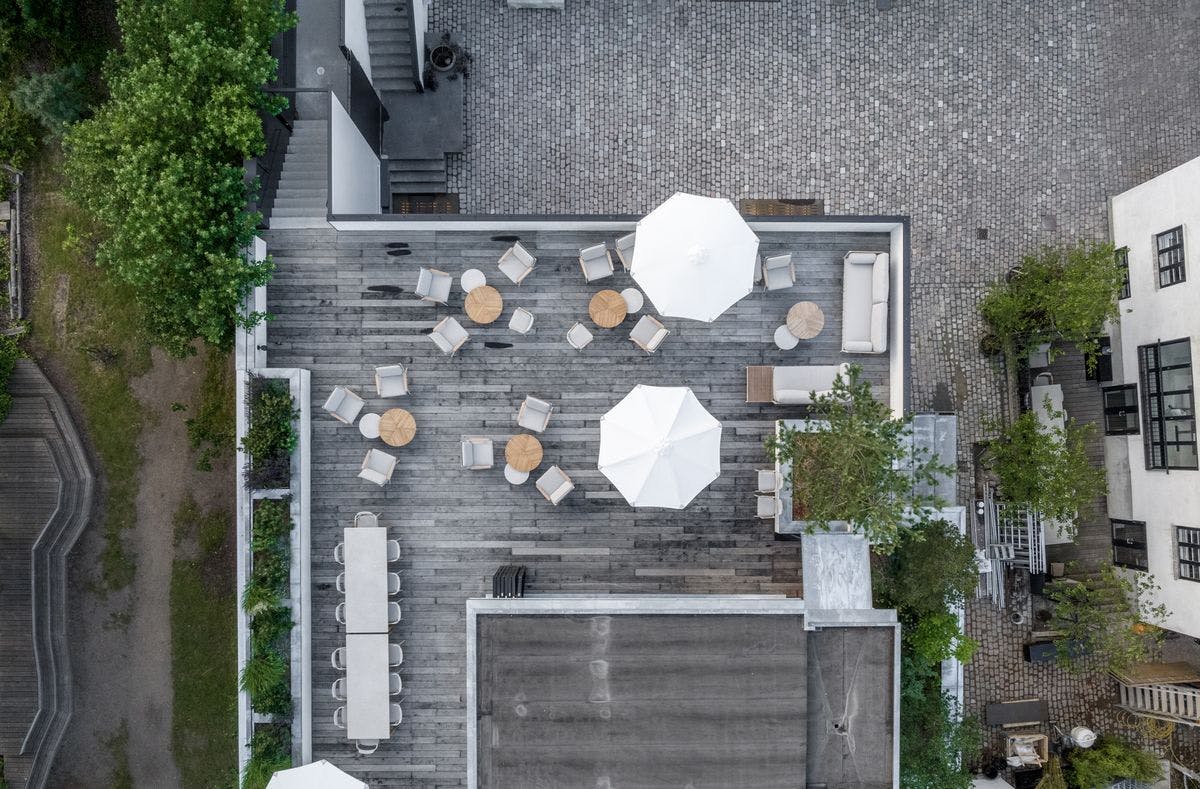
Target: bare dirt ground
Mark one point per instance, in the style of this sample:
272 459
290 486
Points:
121 653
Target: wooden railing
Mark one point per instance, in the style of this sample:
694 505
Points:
1177 703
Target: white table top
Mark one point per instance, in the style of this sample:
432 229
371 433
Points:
784 339
367 700
366 579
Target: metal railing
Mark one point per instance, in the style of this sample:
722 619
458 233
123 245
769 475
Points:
1170 702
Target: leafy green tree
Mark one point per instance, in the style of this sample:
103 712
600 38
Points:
1110 760
936 744
938 637
1112 615
56 98
1060 294
18 135
932 570
855 463
1046 469
160 163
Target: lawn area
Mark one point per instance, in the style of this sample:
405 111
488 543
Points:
88 327
204 648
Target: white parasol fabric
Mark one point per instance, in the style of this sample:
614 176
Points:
694 257
660 447
317 775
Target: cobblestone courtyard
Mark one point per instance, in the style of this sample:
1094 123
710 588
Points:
1018 119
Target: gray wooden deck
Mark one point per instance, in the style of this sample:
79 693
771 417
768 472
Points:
455 526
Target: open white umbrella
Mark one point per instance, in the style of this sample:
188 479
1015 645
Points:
694 257
318 775
660 447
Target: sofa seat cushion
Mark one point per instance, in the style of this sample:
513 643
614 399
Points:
880 273
879 327
858 346
794 385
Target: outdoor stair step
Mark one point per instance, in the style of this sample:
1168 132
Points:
399 44
392 8
423 165
399 60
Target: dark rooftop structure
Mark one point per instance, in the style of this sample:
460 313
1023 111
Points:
671 691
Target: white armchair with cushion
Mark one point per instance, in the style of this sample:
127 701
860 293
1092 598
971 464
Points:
521 321
554 484
579 336
795 385
517 263
434 285
779 272
343 405
865 286
624 247
391 380
534 414
449 335
476 453
768 507
595 262
377 467
649 333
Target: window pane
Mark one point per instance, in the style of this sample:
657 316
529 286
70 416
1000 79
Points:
1128 557
1175 353
1134 531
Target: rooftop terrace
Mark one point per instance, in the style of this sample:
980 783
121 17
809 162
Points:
455 526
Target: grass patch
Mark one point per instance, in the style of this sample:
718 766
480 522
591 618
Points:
88 325
211 428
204 650
118 750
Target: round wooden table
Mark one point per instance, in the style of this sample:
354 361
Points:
608 309
805 320
523 452
397 427
484 304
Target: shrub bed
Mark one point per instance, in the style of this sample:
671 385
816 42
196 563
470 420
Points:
271 435
9 353
270 750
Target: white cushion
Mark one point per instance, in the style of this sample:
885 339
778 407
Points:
879 278
792 385
879 327
857 346
860 258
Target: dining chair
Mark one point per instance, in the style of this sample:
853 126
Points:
338 658
393 551
393 583
366 747
339 613
339 717
395 655
340 583
339 553
393 613
394 684
339 689
397 715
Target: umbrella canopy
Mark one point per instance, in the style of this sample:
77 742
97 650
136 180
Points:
318 775
660 447
694 257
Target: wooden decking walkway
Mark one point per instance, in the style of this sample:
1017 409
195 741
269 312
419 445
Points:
456 527
45 499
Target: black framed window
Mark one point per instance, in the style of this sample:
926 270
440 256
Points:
1168 247
1098 366
1121 410
1122 256
1129 544
1168 407
1187 543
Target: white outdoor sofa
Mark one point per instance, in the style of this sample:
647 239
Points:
865 285
795 385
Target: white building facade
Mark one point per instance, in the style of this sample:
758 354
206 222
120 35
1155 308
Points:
1149 408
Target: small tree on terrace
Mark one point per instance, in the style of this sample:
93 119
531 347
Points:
1112 615
856 463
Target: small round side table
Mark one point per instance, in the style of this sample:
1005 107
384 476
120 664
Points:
785 339
368 425
484 304
805 320
515 477
607 309
472 278
633 299
397 427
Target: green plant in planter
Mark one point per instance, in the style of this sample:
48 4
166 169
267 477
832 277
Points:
268 626
1060 294
1112 615
936 745
272 521
1053 778
1110 760
1045 469
260 596
858 466
932 570
270 751
9 353
265 679
937 637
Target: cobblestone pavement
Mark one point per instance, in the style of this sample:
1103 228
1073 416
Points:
1020 119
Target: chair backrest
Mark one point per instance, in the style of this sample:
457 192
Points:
397 715
395 654
393 550
339 717
624 247
366 518
393 613
338 689
339 613
366 747
339 553
340 583
338 658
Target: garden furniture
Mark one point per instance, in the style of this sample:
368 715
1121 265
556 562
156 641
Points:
368 426
554 485
366 747
521 321
449 335
648 334
768 506
395 655
579 337
338 689
595 263
805 320
397 427
338 658
865 288
393 551
366 518
796 385
339 717
768 480
393 584
484 304
517 263
343 404
624 247
476 453
515 476
472 278
367 672
434 285
523 453
391 380
395 715
779 272
633 300
366 580
395 685
393 613
607 309
534 414
784 339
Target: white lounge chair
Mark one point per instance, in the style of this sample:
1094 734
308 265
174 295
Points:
778 272
434 285
521 321
534 414
517 263
377 467
476 453
595 263
624 247
449 335
768 507
554 485
649 333
391 380
579 337
768 480
343 404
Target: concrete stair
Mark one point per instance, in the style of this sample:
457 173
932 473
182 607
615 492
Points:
389 38
304 183
418 176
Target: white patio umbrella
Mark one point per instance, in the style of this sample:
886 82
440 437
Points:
317 775
660 447
694 257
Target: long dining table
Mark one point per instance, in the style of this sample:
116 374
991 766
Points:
366 579
367 700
